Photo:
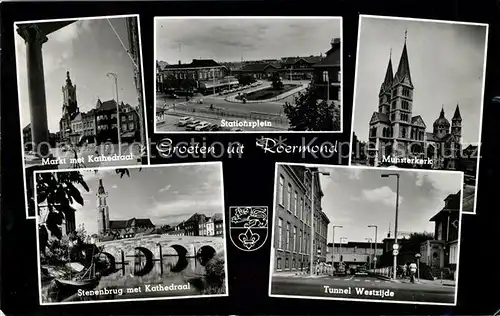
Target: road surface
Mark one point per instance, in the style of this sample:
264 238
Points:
330 286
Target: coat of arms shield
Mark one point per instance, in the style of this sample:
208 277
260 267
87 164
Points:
248 226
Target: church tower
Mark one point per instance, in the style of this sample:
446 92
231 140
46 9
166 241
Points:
70 106
402 102
384 96
441 126
456 125
102 209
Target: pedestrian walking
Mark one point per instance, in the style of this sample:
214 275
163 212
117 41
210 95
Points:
413 271
405 270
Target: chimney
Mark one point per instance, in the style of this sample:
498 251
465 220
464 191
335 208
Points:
180 62
335 41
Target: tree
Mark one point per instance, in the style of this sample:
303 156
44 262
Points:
246 79
310 114
276 83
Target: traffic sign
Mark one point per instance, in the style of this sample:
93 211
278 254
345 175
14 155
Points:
395 252
395 246
375 259
417 255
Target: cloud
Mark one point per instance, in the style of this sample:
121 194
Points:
383 195
183 208
355 173
440 181
114 186
165 188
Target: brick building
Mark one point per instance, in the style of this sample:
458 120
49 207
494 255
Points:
292 231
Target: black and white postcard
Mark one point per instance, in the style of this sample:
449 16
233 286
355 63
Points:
380 234
248 74
142 233
79 82
419 96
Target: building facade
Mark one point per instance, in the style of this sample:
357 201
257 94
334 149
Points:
107 124
218 224
190 77
354 254
394 127
441 254
327 73
292 237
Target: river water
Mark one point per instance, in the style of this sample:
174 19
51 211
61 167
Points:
187 275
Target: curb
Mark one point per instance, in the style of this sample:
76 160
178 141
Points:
383 277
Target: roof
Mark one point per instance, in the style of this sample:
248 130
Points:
432 138
456 115
418 121
217 217
106 105
452 204
27 127
257 67
294 60
358 244
196 63
379 117
122 224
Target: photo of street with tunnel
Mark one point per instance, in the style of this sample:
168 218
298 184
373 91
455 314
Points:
142 233
380 234
99 123
412 73
248 74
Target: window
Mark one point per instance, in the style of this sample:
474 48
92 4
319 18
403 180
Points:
393 116
130 126
403 132
301 214
289 197
294 205
281 192
300 242
280 233
373 132
293 264
287 240
406 92
393 105
294 238
287 264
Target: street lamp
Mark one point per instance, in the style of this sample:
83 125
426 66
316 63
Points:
118 127
333 243
417 255
370 255
375 253
313 233
395 246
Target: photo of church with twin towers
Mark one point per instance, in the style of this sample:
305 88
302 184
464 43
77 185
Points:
423 111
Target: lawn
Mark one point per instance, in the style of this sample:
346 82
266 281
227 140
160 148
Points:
269 93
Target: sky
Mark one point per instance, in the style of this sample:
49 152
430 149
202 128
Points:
226 40
166 195
88 49
357 197
446 66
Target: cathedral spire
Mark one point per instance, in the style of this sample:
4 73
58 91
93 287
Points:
387 84
457 115
403 67
68 79
441 115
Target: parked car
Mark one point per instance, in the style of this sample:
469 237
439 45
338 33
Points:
341 270
192 125
183 121
236 129
214 127
203 126
173 96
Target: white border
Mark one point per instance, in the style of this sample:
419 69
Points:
19 92
137 299
271 265
267 228
482 95
257 18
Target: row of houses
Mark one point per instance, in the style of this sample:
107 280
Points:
207 75
199 225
